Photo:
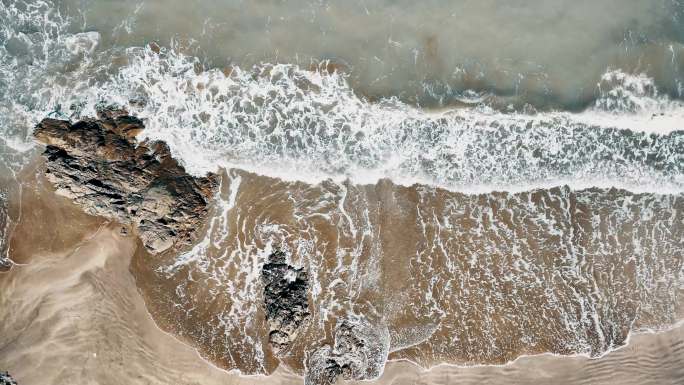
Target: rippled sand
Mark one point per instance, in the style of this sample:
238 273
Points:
73 300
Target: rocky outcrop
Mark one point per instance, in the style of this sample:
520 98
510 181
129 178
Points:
6 379
5 262
100 165
359 353
285 301
359 350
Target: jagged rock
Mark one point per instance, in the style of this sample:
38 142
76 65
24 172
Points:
285 301
359 353
5 263
6 379
100 165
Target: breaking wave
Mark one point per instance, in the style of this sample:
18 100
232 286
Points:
284 121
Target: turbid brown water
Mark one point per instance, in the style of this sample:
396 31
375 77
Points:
445 277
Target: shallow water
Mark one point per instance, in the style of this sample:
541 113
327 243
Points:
456 278
475 180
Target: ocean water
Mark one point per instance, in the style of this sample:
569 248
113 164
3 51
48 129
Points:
274 115
475 180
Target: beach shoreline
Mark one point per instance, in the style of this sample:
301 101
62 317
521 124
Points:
96 253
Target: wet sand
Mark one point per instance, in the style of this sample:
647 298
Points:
71 313
647 359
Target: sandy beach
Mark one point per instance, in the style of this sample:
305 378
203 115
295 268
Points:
318 191
71 299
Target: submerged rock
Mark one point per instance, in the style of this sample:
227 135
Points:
285 301
5 262
6 379
359 353
100 165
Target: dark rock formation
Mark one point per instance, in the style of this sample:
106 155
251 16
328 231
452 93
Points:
100 166
5 263
285 300
359 353
6 379
360 349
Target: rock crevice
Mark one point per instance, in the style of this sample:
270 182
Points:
100 165
359 353
285 301
6 379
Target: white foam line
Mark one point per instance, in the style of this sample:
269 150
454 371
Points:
644 331
284 173
264 120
